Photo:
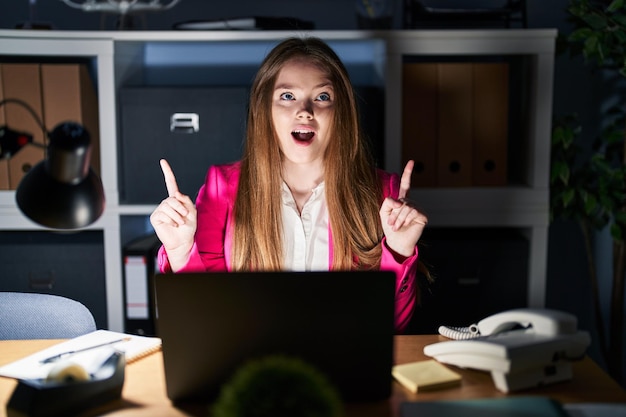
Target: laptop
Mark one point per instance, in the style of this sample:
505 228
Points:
339 322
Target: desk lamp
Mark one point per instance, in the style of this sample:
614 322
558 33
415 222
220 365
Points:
120 6
62 191
123 7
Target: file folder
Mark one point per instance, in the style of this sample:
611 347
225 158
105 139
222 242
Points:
455 125
419 121
22 82
491 106
139 269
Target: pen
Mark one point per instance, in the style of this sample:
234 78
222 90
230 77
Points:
71 352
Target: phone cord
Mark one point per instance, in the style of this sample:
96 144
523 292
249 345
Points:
460 333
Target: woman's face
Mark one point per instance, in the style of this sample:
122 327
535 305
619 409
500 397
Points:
302 111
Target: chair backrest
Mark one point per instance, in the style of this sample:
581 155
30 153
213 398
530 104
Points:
42 316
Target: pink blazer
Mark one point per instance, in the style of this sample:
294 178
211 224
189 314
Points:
213 241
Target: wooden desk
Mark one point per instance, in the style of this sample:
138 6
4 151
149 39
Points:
144 386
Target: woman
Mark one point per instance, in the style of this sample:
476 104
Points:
306 194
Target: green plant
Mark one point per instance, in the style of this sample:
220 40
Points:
600 32
589 191
593 190
278 386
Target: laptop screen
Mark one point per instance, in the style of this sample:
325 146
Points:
339 322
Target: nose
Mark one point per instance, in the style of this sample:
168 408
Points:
305 110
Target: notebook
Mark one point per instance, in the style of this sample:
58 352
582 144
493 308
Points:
88 351
340 322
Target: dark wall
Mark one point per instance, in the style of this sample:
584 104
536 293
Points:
326 14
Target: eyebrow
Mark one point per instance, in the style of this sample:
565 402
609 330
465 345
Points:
285 86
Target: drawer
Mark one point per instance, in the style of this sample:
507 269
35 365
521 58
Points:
192 128
477 272
59 263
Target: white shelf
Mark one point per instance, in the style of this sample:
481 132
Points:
484 207
127 57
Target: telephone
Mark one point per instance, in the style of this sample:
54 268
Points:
522 348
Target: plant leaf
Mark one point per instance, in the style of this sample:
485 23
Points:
615 5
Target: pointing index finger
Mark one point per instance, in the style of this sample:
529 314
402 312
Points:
170 179
405 180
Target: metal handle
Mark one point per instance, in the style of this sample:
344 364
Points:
184 123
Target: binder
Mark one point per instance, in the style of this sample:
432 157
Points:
140 265
22 81
491 106
4 162
2 97
69 95
420 120
454 159
4 174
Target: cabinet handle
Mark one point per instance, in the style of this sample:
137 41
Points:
184 123
468 281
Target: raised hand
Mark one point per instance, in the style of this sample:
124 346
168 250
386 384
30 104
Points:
402 222
175 221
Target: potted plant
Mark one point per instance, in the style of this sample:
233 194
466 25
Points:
592 190
276 386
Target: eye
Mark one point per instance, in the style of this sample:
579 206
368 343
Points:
324 97
287 96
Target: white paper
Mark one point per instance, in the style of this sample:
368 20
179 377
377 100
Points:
31 367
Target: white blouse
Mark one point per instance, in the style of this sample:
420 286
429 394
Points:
305 236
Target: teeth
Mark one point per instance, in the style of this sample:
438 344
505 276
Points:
303 135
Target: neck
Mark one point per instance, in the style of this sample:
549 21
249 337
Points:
302 178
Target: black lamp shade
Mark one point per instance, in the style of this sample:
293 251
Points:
62 192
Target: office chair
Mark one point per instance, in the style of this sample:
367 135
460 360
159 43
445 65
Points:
42 316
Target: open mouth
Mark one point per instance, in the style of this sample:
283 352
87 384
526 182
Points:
303 135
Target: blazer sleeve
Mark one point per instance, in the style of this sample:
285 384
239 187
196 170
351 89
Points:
214 205
404 268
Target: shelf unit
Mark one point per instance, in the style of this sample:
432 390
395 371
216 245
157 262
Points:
373 57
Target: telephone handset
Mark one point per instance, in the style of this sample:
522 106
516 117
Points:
541 321
521 348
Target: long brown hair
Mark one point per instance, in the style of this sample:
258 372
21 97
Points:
353 192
